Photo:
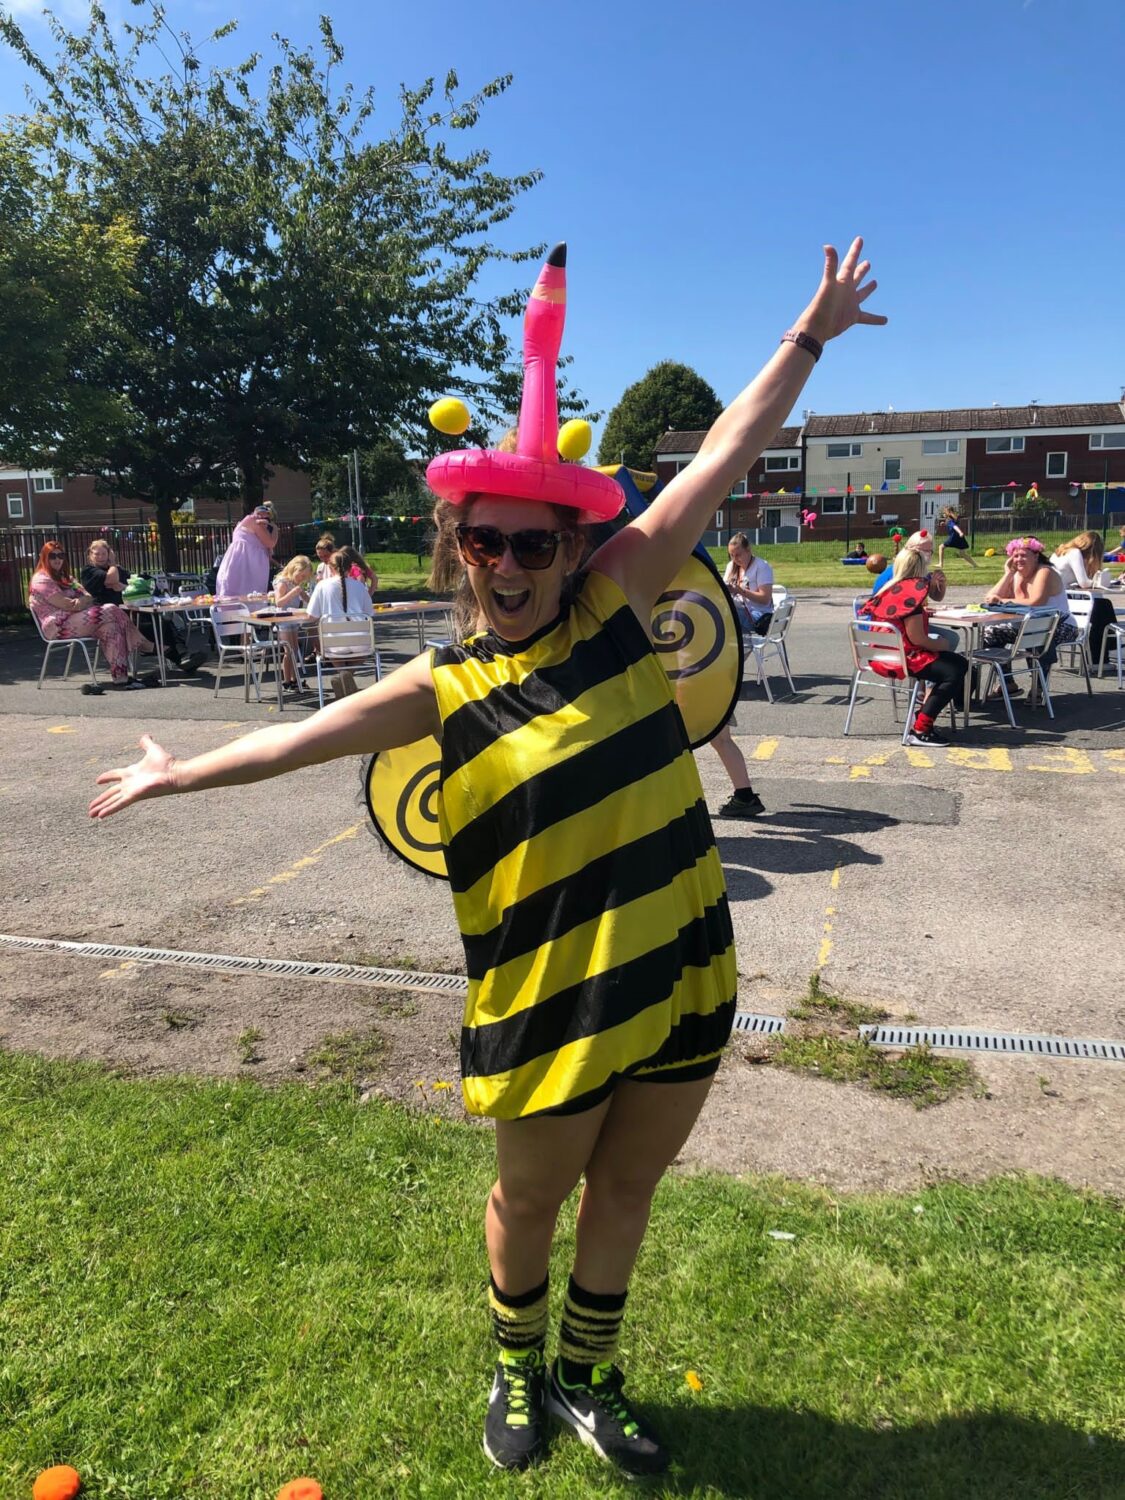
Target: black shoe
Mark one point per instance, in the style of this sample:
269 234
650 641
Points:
925 737
131 684
188 665
742 807
514 1430
602 1418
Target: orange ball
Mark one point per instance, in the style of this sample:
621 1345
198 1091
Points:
300 1489
59 1483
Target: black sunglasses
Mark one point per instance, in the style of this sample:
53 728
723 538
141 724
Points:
55 556
483 546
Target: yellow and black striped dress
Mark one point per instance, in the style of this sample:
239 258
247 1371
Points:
585 876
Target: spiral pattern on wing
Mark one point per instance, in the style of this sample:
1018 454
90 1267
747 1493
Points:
678 618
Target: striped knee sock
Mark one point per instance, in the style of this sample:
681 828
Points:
519 1323
590 1328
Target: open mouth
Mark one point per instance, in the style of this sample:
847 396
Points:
510 601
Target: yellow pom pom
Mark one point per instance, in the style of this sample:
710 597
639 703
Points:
59 1483
575 438
449 416
990 552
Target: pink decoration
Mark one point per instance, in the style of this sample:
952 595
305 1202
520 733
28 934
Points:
534 471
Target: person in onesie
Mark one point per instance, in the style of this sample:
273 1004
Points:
584 874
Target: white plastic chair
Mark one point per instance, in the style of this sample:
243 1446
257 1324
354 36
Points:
773 642
1081 608
1036 634
236 642
68 645
348 643
1115 636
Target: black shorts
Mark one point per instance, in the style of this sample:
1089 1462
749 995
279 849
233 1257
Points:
958 543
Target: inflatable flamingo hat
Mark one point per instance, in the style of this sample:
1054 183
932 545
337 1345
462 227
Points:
534 470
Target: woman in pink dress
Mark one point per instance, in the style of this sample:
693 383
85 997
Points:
65 612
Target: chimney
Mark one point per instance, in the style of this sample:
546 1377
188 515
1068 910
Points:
1034 412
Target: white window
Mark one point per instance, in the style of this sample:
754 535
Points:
843 450
996 499
892 469
783 463
1056 465
47 484
738 489
871 505
1004 445
719 522
15 507
1107 440
837 505
931 447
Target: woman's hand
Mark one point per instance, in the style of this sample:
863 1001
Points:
840 297
151 776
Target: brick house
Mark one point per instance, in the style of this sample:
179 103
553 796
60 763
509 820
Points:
864 471
36 497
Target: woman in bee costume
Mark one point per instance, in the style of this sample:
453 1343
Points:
580 856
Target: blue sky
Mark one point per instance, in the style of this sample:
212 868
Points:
696 157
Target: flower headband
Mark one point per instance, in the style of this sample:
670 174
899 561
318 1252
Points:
1023 544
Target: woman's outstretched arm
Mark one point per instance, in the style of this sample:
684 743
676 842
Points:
400 709
644 556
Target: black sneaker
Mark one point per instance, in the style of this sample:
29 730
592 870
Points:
602 1418
187 666
514 1434
742 807
925 738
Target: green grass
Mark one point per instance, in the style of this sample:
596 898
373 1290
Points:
820 1004
349 1056
209 1288
918 1075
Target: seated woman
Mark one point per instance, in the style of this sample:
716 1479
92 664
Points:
749 582
65 612
324 550
1029 579
343 594
922 543
104 579
902 604
290 590
1077 562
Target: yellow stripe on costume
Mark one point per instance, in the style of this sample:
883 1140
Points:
476 786
549 1081
607 941
558 853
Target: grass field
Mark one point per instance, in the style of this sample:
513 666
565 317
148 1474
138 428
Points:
209 1288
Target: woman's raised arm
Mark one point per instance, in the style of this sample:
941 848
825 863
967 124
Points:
400 709
644 556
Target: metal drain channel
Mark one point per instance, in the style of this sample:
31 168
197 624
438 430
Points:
225 963
943 1038
951 1039
750 1020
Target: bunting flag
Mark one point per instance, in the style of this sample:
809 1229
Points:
884 487
919 487
1011 485
782 491
939 488
867 489
902 489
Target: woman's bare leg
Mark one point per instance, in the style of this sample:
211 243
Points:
645 1128
539 1163
734 762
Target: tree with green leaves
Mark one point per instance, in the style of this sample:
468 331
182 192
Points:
299 288
670 397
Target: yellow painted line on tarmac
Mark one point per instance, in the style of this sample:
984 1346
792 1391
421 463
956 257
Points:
997 759
765 750
825 950
298 867
62 729
126 963
859 773
1065 762
1113 756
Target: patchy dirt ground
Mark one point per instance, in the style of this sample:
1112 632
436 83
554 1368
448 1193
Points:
1064 1117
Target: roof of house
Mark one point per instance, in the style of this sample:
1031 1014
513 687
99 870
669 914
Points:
967 419
1075 415
690 442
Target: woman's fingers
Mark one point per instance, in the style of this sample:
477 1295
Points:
876 318
847 269
108 776
864 292
831 262
860 271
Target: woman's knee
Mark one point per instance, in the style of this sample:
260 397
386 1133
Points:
528 1199
619 1190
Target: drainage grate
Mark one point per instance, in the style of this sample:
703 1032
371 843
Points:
956 1040
281 968
749 1020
